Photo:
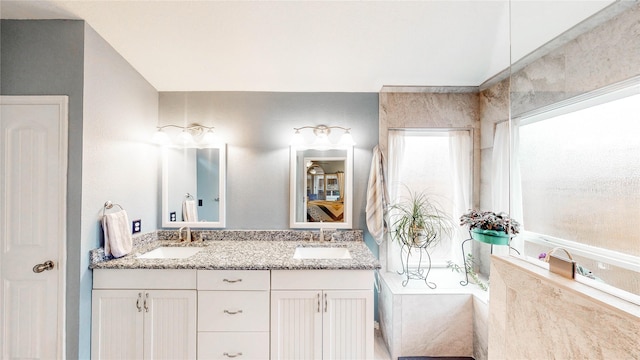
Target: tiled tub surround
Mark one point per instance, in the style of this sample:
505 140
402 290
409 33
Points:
242 250
450 320
538 314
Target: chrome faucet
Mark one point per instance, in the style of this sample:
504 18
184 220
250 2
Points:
310 236
187 238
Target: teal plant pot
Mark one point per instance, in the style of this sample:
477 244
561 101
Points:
490 236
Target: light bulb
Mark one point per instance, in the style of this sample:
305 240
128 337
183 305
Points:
347 139
208 138
161 138
185 138
321 142
297 139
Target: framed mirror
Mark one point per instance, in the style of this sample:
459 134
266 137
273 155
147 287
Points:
321 188
193 187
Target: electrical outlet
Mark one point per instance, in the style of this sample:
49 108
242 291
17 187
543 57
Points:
172 216
199 202
137 226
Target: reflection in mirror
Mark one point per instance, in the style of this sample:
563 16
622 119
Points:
193 184
321 188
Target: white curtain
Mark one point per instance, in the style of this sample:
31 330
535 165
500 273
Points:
461 153
506 183
395 163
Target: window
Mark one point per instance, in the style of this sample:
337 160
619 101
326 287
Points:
438 163
580 176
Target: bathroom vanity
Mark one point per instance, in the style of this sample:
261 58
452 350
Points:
251 299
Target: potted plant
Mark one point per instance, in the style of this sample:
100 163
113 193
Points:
418 221
490 227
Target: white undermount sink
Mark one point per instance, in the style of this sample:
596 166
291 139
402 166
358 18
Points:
170 252
321 253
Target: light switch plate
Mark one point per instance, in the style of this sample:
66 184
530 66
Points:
137 226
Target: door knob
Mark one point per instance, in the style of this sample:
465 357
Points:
47 265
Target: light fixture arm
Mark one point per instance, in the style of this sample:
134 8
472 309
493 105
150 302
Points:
195 128
186 137
322 129
322 134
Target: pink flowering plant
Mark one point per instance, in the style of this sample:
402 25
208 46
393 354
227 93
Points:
489 220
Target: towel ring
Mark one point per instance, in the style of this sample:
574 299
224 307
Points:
188 196
109 205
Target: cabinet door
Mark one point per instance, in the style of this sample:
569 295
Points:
347 324
296 325
170 324
116 328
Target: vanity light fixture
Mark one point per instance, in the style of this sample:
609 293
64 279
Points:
321 133
193 135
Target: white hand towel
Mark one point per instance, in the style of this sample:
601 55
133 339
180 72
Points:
117 236
377 197
189 211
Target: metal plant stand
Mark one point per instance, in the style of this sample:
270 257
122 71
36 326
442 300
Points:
465 282
419 273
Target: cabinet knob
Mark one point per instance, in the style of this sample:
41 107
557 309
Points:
146 300
138 302
325 302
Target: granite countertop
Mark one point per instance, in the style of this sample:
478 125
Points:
244 255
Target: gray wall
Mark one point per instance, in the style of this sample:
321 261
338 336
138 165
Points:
118 161
112 113
46 58
257 127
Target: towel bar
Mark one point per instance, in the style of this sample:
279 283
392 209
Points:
109 205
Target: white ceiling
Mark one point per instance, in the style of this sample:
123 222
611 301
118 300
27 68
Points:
301 46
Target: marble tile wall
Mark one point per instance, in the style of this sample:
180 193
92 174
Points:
538 315
480 329
604 55
422 324
430 107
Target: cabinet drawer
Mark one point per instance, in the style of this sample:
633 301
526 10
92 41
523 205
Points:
144 279
233 280
233 311
252 345
322 279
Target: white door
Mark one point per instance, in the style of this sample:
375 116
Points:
296 325
33 170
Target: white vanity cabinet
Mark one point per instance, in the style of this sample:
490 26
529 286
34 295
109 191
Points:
233 314
322 314
143 314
